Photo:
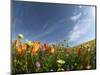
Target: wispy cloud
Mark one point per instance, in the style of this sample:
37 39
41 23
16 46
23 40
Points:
45 26
51 28
81 28
76 33
75 17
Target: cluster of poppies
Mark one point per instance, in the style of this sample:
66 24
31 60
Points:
32 47
32 57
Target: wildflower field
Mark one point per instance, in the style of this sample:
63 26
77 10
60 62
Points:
34 57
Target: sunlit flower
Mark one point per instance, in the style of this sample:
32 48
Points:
60 61
20 36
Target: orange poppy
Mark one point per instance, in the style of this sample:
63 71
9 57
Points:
33 51
48 49
52 50
17 43
78 51
45 46
35 48
19 50
24 46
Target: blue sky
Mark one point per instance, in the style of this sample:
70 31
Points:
52 23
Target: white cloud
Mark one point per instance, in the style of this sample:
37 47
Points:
76 33
75 17
76 27
82 27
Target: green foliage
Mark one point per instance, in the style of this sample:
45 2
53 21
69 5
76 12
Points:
60 60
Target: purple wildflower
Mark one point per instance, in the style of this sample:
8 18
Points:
38 65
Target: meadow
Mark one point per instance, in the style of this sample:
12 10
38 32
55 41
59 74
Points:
34 57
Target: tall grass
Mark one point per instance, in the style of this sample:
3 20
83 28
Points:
33 57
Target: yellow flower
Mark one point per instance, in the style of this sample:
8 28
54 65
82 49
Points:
28 42
36 46
20 36
60 61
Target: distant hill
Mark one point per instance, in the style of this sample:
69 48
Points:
87 44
